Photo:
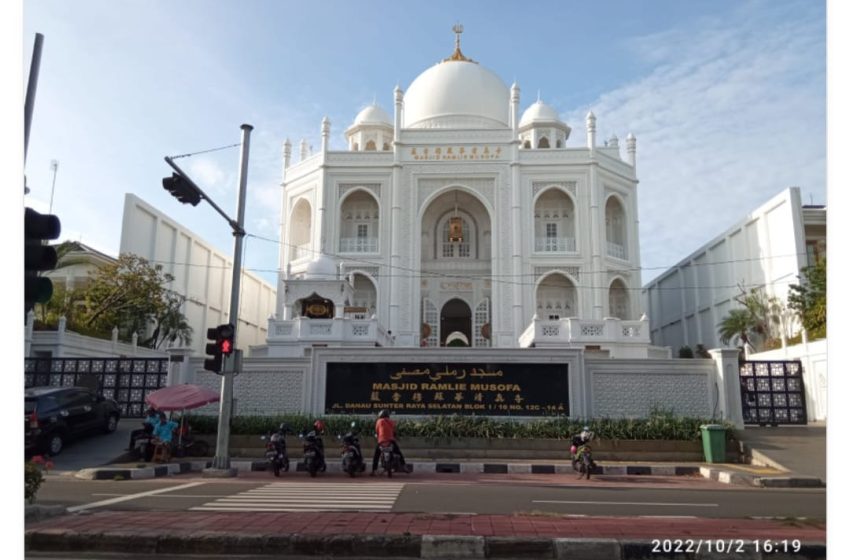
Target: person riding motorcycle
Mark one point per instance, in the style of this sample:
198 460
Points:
385 430
319 429
580 440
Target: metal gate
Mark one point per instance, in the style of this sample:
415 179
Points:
772 393
127 380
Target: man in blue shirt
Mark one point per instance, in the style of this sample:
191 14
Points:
163 431
151 420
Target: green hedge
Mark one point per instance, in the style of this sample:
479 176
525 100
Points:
658 426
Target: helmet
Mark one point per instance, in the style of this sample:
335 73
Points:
319 426
282 428
384 414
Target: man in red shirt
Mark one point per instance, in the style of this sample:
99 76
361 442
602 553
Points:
385 429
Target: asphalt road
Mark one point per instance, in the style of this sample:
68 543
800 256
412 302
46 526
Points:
441 493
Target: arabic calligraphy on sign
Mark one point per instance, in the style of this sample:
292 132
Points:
438 375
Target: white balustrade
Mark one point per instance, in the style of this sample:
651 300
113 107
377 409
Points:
358 245
555 244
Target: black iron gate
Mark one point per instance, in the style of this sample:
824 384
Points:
127 380
772 393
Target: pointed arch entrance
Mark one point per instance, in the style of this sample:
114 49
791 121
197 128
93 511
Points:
455 317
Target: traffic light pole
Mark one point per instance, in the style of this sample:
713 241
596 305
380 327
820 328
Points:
221 461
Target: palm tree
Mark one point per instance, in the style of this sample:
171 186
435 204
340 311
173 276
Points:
736 326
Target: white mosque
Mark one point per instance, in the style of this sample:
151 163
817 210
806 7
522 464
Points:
460 220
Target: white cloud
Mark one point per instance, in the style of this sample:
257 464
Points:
207 173
733 113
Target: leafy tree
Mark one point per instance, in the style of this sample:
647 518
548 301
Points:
808 299
686 352
130 294
757 323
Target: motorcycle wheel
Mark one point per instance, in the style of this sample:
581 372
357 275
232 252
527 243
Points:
277 469
286 465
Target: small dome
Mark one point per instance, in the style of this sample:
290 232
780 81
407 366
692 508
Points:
539 112
322 267
372 114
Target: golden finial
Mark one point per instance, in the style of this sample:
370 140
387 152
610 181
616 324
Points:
457 55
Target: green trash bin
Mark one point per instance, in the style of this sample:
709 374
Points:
714 442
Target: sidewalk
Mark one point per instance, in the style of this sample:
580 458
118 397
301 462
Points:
410 535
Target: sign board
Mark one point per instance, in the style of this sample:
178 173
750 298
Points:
484 389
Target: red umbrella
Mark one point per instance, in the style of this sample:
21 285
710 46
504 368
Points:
181 397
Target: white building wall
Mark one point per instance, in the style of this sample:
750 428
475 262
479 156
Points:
201 273
767 248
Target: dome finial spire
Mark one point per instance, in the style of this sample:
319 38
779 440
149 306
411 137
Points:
458 55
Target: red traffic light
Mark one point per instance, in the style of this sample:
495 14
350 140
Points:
226 346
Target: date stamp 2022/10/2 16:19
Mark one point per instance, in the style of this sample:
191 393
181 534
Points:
726 546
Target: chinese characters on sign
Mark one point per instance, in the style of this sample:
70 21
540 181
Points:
482 389
456 153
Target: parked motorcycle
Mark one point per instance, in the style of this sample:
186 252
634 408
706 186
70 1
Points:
582 454
352 455
314 452
390 460
276 454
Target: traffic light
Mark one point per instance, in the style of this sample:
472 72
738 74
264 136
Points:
182 189
38 256
220 344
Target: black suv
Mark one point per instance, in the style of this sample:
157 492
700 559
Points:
54 415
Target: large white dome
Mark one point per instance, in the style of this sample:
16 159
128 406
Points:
457 94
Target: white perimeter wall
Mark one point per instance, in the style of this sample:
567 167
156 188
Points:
767 248
598 387
201 273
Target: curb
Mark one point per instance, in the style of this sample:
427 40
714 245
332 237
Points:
38 512
372 546
167 469
734 477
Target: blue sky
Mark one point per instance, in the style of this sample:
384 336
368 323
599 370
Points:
727 99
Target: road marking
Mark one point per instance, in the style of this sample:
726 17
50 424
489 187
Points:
622 503
295 496
132 497
670 516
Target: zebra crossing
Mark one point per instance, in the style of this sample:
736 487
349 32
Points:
298 496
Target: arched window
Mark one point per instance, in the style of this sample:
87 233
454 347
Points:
359 223
527 145
554 222
300 230
615 228
543 142
558 143
386 147
454 243
618 300
556 298
365 295
370 146
356 146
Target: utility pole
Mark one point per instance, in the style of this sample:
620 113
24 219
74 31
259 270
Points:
186 191
221 461
32 85
54 166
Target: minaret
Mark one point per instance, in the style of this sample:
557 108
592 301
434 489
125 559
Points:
515 109
303 149
399 107
590 121
287 153
631 149
326 131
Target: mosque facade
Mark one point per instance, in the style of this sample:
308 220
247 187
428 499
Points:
460 219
